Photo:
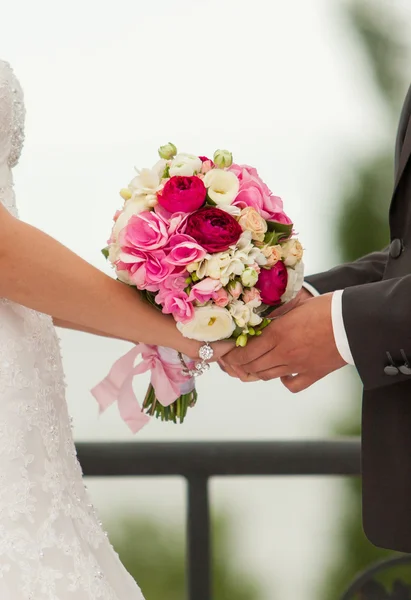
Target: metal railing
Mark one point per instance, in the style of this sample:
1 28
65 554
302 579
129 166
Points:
197 462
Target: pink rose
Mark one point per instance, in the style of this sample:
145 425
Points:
251 295
177 303
214 229
221 297
272 283
182 194
184 250
204 290
145 231
254 192
146 270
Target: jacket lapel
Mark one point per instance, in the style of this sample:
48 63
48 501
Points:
405 155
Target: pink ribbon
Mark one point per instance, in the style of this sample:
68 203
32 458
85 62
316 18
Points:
166 377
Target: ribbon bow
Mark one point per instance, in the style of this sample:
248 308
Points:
167 380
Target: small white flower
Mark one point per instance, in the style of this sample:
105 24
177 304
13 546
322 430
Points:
222 186
240 312
254 318
294 283
234 211
185 165
249 277
292 252
209 324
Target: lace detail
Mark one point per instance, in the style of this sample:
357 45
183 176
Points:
52 545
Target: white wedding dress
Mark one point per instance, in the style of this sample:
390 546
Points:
52 546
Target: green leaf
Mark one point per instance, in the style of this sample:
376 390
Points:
104 252
283 230
271 238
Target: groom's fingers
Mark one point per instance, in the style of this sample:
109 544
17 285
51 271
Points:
255 348
266 362
237 372
273 373
298 383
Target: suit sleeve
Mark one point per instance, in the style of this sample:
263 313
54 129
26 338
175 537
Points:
368 269
377 320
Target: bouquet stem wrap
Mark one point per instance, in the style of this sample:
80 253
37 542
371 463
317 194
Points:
168 397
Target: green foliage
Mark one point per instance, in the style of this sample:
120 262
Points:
154 554
362 227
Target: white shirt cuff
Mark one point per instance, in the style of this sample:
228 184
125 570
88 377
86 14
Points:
340 335
311 289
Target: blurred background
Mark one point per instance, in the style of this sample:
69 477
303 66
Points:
309 91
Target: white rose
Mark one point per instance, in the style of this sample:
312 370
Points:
185 165
292 252
209 324
295 282
249 277
222 186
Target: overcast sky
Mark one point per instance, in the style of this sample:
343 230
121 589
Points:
282 85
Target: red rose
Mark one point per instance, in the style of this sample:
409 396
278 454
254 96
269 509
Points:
214 229
272 283
182 194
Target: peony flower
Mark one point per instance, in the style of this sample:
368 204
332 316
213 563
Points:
251 220
292 252
184 250
222 186
221 297
182 194
295 282
213 229
254 192
145 231
209 324
223 158
235 289
167 151
204 290
252 297
272 283
177 303
249 277
185 165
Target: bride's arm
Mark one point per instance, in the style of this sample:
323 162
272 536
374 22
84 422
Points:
75 327
42 274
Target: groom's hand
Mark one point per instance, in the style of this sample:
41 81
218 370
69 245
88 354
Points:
299 348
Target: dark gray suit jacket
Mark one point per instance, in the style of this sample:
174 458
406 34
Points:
377 317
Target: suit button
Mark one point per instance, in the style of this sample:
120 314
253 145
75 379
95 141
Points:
391 370
396 248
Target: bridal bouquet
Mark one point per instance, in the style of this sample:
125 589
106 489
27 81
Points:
207 242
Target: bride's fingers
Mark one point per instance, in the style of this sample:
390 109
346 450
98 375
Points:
237 372
221 348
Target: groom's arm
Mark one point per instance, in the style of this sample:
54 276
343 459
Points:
368 269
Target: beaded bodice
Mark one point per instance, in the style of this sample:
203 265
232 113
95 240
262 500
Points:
12 116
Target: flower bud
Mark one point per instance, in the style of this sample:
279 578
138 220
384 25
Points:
223 159
125 193
249 277
235 289
167 151
241 340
